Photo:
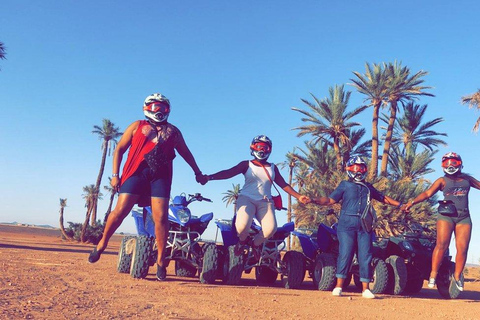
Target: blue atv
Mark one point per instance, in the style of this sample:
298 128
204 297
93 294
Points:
268 265
184 243
320 248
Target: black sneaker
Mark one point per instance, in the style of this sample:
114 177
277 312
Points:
94 255
161 273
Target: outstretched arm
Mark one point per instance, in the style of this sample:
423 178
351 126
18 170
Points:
288 189
436 186
229 173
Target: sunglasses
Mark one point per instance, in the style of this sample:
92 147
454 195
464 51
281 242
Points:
261 146
451 163
357 168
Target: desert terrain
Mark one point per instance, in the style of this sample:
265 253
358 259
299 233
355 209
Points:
44 277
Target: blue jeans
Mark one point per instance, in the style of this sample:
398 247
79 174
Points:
350 237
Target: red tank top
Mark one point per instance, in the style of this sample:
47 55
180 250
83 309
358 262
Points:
143 141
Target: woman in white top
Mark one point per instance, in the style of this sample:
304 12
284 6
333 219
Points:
255 197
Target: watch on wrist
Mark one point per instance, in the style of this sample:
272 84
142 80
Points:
114 175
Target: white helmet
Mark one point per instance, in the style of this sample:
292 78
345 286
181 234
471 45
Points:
261 147
156 108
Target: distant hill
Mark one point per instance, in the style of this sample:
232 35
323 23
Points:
15 223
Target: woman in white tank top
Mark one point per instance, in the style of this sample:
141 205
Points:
255 198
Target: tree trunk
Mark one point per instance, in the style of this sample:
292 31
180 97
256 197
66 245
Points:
110 204
373 172
62 228
97 184
388 138
85 223
289 203
336 147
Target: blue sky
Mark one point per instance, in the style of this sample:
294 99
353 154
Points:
231 70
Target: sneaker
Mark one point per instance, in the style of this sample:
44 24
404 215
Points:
431 283
368 294
161 273
337 292
459 283
94 255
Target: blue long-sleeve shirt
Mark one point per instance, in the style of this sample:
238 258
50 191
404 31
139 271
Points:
354 197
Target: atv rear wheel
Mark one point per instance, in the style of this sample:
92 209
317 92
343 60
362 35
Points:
324 272
295 265
209 263
125 254
265 275
141 256
184 269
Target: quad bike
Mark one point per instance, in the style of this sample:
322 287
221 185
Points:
416 249
267 266
320 248
138 253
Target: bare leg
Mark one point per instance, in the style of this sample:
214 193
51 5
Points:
340 282
160 217
463 233
444 234
365 286
124 205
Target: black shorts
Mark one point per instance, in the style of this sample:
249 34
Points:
144 183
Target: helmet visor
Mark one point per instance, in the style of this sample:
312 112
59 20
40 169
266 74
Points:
451 163
357 168
261 146
156 106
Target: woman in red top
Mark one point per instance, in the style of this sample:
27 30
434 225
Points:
147 175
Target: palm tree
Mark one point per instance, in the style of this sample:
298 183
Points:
329 119
112 193
109 134
410 166
63 204
91 196
373 84
2 51
401 87
231 196
473 101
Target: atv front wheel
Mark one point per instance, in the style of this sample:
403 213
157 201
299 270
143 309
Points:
295 264
445 286
210 263
233 267
324 272
397 275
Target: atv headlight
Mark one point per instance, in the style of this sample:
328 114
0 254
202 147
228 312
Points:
183 215
407 245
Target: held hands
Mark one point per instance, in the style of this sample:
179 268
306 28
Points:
304 199
201 178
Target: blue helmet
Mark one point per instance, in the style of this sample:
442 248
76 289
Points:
356 168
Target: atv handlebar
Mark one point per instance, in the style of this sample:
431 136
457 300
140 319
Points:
198 197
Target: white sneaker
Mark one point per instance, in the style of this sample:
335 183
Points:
337 292
431 283
368 294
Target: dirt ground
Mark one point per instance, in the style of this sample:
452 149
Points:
43 277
